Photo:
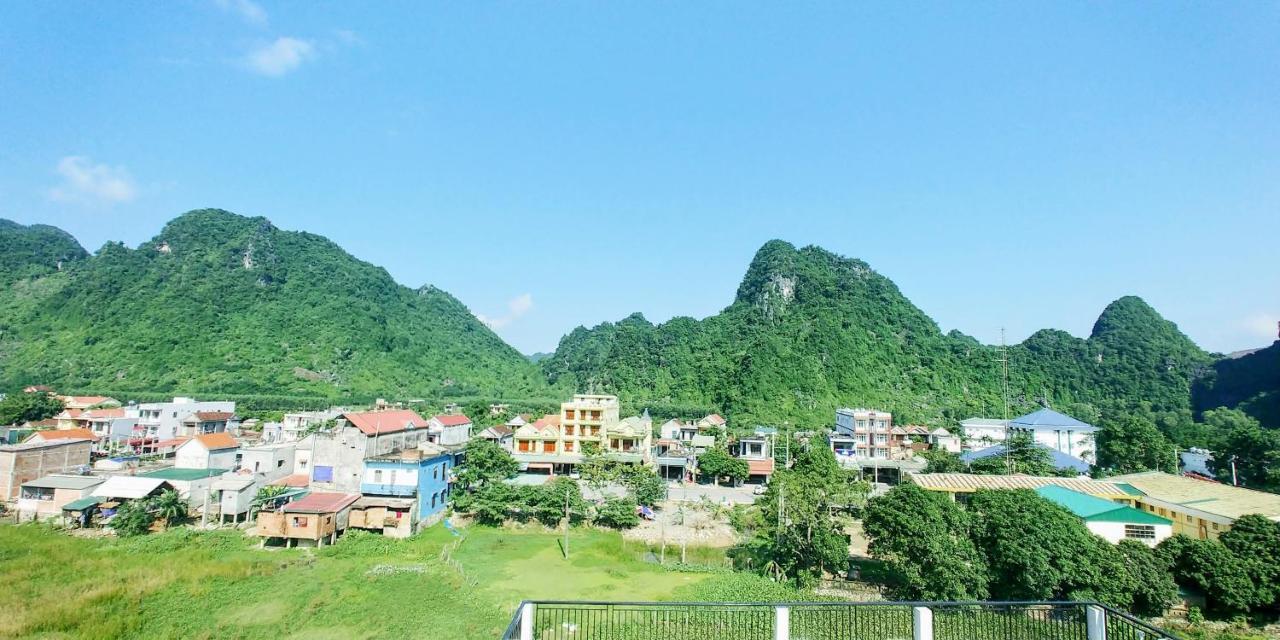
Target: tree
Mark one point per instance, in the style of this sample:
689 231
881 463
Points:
596 470
1132 443
486 462
1255 451
1211 567
1255 541
133 518
546 503
1021 455
644 485
717 463
617 513
491 504
804 512
1154 588
169 507
1036 550
941 461
20 407
268 492
922 536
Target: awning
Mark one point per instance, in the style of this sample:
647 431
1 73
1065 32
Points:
81 504
540 465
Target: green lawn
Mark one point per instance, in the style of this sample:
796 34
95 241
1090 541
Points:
219 585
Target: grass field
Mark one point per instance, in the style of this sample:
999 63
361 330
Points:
184 584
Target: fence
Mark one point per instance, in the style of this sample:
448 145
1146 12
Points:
561 620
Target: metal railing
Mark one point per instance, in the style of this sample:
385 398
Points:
571 620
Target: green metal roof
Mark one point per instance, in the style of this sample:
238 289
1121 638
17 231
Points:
1095 509
173 473
1129 489
81 504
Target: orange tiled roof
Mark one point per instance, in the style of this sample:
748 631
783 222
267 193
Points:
215 441
383 422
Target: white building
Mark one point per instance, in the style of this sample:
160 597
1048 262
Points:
269 461
863 433
163 420
208 451
1110 520
293 425
1059 432
449 430
980 433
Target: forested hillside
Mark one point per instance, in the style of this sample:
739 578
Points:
810 331
223 303
1251 382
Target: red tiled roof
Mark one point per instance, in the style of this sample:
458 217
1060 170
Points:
213 416
47 423
760 467
321 503
453 420
383 422
714 419
216 441
550 419
295 480
162 444
65 434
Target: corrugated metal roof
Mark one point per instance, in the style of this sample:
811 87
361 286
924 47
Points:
65 482
966 483
182 475
129 487
1095 509
321 503
1047 418
82 503
1205 495
1057 458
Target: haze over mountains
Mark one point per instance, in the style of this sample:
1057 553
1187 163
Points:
220 303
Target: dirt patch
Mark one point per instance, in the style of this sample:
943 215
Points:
678 523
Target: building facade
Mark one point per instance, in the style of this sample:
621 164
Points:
557 442
163 420
419 474
22 463
864 434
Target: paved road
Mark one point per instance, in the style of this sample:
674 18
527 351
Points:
723 495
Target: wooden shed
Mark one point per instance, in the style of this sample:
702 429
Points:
315 519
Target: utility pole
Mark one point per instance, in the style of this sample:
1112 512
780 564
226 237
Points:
566 522
1234 480
1004 362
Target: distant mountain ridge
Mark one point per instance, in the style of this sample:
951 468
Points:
219 302
810 330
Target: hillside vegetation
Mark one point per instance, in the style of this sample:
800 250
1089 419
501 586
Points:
220 303
809 331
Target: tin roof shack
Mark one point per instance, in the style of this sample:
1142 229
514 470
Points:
394 517
313 520
119 489
21 463
44 498
192 484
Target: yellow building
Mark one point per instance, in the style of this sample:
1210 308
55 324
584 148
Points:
1199 508
555 442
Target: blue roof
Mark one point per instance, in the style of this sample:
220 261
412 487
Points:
1057 458
1048 419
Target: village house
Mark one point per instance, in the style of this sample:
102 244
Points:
52 435
1198 508
450 430
203 422
757 450
86 402
1059 432
313 520
404 490
863 433
234 495
1113 521
294 425
112 427
269 461
21 463
194 485
44 498
337 456
555 443
164 420
208 451
500 434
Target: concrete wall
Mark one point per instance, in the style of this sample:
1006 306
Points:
272 463
345 450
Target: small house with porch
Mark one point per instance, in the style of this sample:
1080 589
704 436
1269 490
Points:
43 498
313 520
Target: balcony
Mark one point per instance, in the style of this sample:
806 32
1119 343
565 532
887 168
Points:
387 489
547 620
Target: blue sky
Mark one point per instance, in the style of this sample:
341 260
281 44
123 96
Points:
554 165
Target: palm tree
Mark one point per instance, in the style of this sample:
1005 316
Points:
170 507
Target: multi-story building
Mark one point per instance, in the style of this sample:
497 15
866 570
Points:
338 455
293 425
1059 432
163 420
404 490
555 443
980 433
864 433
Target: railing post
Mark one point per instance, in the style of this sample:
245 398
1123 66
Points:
1095 621
921 623
782 623
526 621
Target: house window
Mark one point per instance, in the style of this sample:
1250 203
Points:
1140 531
299 521
377 476
548 447
882 438
1215 526
1188 517
280 464
568 446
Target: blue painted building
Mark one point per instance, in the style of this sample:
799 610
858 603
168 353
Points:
420 475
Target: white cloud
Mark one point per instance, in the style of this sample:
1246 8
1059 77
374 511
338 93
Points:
1262 325
84 182
251 12
516 307
280 57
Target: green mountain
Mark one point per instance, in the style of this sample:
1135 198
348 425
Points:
809 331
1250 382
220 303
